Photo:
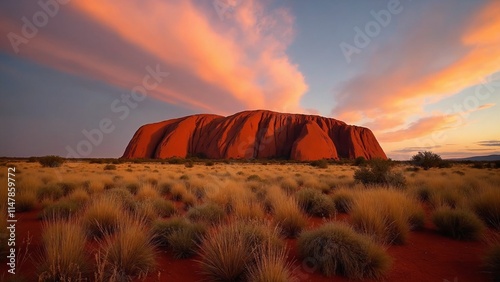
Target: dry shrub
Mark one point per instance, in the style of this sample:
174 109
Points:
337 249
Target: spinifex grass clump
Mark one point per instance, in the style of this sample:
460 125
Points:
487 207
387 215
337 249
210 213
129 252
314 203
229 251
102 216
63 208
178 235
343 200
458 224
64 251
270 265
287 213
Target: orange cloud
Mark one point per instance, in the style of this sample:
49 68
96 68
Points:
253 70
420 128
420 76
216 66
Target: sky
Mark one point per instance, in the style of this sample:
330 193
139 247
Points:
79 77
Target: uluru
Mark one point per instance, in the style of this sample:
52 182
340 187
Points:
255 134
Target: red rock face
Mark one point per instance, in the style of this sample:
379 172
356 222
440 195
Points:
254 134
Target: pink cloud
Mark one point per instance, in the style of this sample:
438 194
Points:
419 71
216 66
419 128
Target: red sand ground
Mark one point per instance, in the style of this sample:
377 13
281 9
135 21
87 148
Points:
427 256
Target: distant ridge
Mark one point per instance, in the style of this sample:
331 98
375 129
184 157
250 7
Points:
489 158
254 135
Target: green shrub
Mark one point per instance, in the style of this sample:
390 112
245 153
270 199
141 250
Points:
254 177
110 167
337 249
209 163
360 161
379 173
176 161
210 213
458 224
314 203
51 161
189 164
320 163
427 160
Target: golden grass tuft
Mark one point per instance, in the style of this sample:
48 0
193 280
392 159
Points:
487 206
387 215
287 213
103 215
229 251
147 192
270 265
128 253
64 251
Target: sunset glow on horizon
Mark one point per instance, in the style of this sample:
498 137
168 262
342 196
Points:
422 75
